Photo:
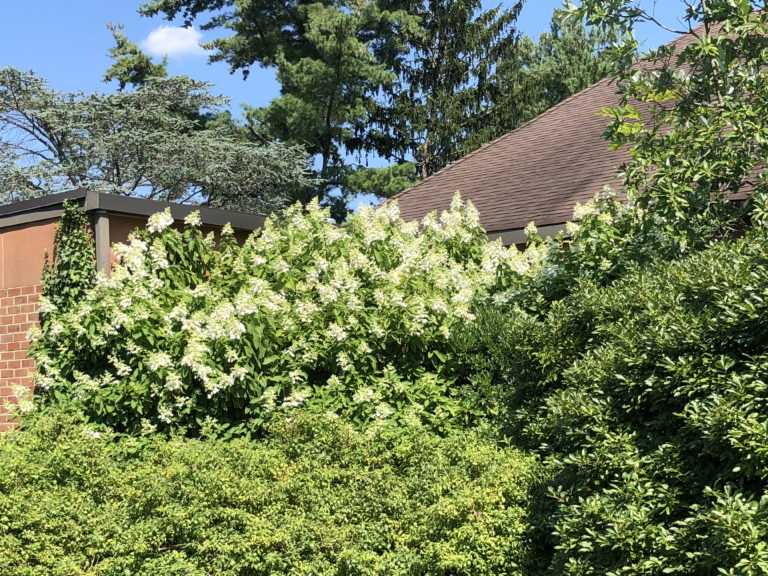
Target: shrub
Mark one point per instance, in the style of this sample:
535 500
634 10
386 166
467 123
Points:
647 400
315 497
349 321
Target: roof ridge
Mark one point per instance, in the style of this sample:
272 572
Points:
508 134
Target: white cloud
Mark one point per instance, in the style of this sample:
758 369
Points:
173 41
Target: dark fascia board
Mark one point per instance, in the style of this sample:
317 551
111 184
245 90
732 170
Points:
47 207
51 202
517 235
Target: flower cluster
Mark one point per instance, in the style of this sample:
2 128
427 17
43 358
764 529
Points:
350 320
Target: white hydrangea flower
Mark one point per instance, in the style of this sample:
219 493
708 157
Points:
296 399
165 413
342 359
336 332
268 398
46 306
173 382
193 219
571 228
383 411
159 221
158 361
364 395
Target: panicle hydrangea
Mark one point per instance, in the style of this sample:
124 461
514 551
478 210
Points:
364 395
353 292
382 411
173 381
159 221
159 361
193 219
269 399
131 255
158 255
336 332
46 306
296 399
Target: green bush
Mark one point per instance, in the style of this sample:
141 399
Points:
350 321
648 401
315 497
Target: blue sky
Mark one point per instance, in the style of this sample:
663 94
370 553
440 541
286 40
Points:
67 43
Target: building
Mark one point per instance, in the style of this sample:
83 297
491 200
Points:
27 230
537 172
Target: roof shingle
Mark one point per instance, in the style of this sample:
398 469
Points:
537 172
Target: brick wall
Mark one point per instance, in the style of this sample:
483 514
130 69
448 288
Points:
19 310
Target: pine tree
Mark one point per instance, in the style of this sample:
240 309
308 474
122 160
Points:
446 77
131 65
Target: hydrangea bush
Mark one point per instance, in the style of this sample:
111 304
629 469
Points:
348 321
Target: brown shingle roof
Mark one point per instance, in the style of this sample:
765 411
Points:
537 172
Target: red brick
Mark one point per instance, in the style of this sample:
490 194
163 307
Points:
29 308
5 338
12 346
28 290
7 356
19 318
20 336
6 373
11 310
21 373
13 364
33 298
28 363
19 300
13 292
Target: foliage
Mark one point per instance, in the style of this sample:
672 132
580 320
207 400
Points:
150 142
446 78
693 119
646 398
326 58
634 362
410 81
317 497
383 182
71 272
131 65
349 321
470 77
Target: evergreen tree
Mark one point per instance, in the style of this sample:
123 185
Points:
324 55
132 66
446 78
150 142
423 81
